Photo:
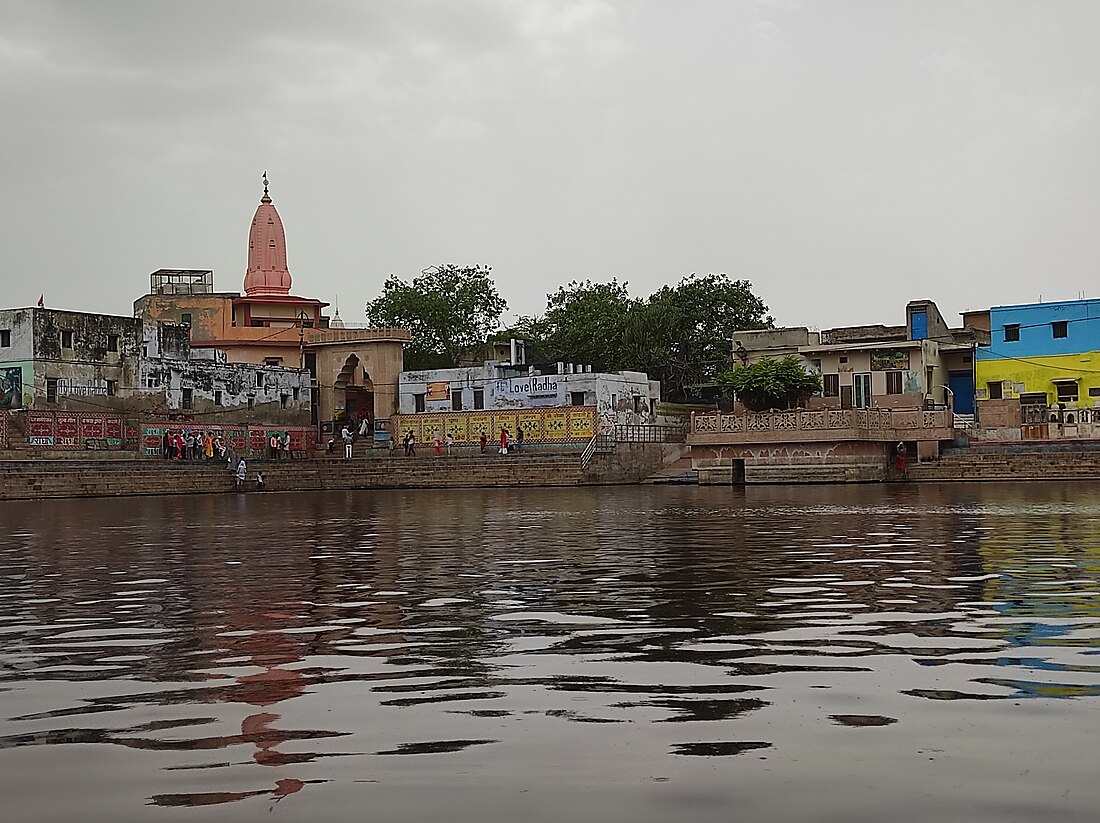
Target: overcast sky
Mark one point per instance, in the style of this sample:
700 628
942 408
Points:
845 157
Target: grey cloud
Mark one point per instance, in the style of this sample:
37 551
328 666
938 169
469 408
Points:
845 157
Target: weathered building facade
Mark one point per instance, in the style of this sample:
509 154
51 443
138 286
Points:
67 359
618 397
176 379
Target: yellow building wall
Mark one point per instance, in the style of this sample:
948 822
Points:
1034 374
551 424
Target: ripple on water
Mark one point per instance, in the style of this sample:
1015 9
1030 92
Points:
234 652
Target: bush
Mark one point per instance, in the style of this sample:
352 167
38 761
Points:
772 384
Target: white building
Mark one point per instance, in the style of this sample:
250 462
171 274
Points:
618 397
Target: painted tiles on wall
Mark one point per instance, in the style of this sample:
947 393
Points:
560 424
68 431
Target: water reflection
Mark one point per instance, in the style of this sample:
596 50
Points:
251 647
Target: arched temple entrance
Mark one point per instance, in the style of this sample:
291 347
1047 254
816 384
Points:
354 392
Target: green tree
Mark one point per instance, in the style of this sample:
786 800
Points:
585 322
680 335
771 384
449 309
692 325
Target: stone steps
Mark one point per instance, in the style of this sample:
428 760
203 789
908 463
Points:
35 479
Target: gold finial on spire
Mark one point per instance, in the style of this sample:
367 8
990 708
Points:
266 198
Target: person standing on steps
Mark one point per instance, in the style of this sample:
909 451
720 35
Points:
410 444
166 445
437 441
345 435
242 472
901 457
450 442
503 440
483 442
519 438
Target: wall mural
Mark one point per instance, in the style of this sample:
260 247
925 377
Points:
11 387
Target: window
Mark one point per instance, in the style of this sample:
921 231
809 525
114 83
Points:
1094 392
51 389
1067 392
843 358
456 400
112 342
576 398
893 382
187 398
185 318
217 397
251 403
1012 332
112 388
479 398
273 361
418 399
284 399
1059 328
830 384
5 338
66 339
640 404
311 364
295 393
996 390
259 380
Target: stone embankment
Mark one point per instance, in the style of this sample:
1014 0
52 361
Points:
97 478
1021 464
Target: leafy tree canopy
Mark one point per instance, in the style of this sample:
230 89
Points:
680 335
771 384
449 309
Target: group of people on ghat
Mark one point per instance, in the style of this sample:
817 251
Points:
441 442
190 445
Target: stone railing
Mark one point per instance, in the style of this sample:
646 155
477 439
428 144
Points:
823 424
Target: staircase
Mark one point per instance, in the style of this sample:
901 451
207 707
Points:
1019 463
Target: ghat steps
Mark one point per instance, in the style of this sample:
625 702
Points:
94 478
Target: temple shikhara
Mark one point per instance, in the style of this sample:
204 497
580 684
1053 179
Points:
354 372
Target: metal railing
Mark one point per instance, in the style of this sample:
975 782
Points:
631 433
599 444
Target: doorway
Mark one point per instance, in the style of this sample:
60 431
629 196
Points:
861 391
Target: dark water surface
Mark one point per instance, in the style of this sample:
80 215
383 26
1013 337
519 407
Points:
621 654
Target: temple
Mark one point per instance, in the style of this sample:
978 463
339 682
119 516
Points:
354 372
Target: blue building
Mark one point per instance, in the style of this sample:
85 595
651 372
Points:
1042 354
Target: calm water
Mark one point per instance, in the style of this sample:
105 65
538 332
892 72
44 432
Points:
631 654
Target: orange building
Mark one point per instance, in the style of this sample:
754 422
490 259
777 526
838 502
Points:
354 372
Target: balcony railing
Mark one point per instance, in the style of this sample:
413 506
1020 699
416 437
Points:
874 424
